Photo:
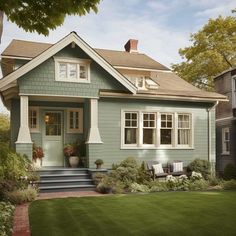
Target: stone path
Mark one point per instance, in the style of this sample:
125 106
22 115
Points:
21 218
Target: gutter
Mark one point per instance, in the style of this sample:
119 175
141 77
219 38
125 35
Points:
209 137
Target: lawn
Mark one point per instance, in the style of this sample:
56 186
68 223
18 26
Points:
172 213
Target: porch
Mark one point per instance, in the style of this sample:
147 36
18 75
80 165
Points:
52 122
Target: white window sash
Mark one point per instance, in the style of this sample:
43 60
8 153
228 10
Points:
79 130
36 129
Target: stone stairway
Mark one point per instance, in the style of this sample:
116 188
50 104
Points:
65 179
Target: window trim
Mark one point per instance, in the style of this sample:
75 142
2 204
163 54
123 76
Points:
157 144
34 130
81 123
223 150
67 61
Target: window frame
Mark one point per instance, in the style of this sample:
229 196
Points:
36 129
223 150
80 117
157 142
68 62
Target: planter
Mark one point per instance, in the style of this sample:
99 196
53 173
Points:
74 161
99 166
38 163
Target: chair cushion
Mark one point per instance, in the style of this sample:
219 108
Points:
158 169
178 167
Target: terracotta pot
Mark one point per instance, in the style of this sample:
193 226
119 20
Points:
74 161
99 166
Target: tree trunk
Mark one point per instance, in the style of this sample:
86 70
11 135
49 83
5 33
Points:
1 25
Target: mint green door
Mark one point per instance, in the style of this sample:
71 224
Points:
53 138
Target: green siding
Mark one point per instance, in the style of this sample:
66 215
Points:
110 131
24 149
41 80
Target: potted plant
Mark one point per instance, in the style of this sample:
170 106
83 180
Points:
99 163
71 152
37 154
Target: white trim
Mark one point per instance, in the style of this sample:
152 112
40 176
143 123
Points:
72 37
141 69
159 97
16 57
79 62
225 118
156 145
24 132
80 117
34 130
52 95
94 135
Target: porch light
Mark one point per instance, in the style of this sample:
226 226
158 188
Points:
46 119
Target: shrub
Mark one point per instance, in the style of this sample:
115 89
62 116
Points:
21 196
97 177
118 187
4 128
200 166
6 218
229 185
214 181
105 185
229 172
157 186
198 185
135 187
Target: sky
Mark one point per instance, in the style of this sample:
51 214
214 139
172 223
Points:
161 26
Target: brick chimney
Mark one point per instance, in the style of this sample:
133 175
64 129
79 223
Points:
131 46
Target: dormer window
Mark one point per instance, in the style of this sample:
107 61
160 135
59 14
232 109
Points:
72 70
143 82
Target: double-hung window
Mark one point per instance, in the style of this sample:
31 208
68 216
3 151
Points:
131 128
184 130
166 131
225 141
34 119
75 120
149 128
72 70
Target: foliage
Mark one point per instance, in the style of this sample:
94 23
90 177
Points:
70 150
105 185
97 177
21 196
37 152
212 51
4 128
229 185
135 187
6 218
200 184
229 172
200 166
157 186
99 162
44 15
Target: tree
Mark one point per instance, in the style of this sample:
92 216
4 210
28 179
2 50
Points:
43 15
4 128
213 50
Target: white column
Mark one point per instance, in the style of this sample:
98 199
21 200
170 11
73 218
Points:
94 135
24 132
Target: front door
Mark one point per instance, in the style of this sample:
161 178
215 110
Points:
53 139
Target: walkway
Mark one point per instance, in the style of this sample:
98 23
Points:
21 219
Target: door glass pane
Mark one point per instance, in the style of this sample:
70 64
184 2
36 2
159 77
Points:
53 123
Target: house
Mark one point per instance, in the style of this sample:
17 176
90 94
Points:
225 83
118 103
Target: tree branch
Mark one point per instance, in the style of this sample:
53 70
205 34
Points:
1 25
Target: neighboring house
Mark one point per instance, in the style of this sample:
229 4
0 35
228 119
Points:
119 103
225 83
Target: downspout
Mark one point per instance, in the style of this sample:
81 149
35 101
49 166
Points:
209 135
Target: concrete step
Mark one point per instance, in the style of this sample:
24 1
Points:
65 182
66 188
48 171
63 176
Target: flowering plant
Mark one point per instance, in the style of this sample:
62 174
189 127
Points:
37 152
196 176
70 150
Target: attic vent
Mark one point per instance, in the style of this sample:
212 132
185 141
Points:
131 46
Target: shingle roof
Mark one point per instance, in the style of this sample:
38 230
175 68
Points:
28 49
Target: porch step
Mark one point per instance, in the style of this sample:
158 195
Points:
66 188
65 179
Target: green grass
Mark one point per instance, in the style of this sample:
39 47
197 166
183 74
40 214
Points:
173 213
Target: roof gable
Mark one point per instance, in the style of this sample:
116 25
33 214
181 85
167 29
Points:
53 49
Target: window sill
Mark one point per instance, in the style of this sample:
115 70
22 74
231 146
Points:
225 154
68 80
155 148
34 131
